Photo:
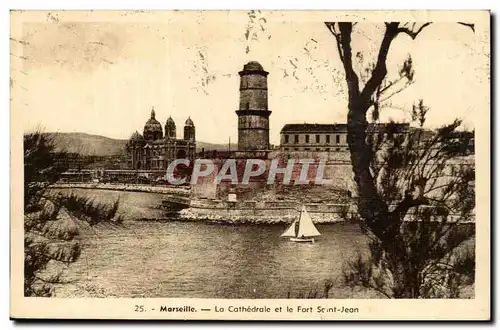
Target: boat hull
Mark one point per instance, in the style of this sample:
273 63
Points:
302 240
175 203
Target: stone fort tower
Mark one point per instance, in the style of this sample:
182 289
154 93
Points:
253 114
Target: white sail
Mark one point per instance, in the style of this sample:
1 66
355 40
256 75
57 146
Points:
306 226
290 232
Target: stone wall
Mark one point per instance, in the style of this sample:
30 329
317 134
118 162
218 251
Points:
253 138
337 176
261 212
253 99
253 80
337 171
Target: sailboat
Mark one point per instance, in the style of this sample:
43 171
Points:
302 229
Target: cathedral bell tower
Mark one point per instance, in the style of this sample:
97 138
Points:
253 114
189 130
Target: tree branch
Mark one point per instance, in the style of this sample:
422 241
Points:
394 93
376 288
331 28
380 69
345 43
410 32
471 25
408 202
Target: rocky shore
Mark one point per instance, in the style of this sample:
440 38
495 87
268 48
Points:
268 217
265 209
227 216
178 190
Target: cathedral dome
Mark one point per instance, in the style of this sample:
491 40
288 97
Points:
189 131
170 123
136 140
253 66
170 131
189 122
153 129
136 137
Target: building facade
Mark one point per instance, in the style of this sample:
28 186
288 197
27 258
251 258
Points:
154 151
314 137
253 113
325 137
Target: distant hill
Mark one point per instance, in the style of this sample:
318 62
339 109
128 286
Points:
214 146
98 145
88 144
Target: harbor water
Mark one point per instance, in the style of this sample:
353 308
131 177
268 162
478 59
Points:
202 260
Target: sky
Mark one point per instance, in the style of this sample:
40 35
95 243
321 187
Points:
102 73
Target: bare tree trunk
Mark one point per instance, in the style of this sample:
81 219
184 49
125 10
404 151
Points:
371 207
384 223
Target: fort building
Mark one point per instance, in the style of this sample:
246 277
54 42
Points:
313 137
327 137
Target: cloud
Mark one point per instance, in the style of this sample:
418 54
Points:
80 47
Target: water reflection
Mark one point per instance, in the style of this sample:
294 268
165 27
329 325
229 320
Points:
199 260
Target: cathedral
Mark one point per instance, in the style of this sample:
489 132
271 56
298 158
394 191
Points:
154 151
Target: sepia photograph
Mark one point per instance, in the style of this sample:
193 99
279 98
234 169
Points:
282 164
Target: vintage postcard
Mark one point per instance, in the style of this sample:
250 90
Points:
250 165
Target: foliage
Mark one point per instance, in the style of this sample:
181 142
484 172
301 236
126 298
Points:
41 167
314 293
425 179
415 187
52 221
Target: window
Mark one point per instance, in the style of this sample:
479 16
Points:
307 138
296 149
306 149
296 139
337 149
317 138
337 139
318 149
328 139
286 149
327 149
286 138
